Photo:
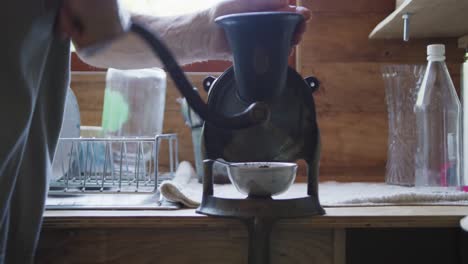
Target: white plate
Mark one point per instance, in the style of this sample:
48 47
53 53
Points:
70 129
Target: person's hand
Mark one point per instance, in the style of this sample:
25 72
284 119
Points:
227 7
89 22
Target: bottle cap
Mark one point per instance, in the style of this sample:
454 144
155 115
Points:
436 52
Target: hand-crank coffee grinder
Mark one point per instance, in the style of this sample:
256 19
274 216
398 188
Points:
261 43
258 111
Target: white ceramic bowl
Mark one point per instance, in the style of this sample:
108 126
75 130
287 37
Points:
262 179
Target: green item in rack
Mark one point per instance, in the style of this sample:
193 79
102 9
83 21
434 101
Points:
116 111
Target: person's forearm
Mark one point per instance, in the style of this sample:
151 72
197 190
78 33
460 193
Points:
192 38
189 37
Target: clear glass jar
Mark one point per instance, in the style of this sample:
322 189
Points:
402 82
134 103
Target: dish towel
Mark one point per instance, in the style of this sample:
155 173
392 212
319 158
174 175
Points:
186 189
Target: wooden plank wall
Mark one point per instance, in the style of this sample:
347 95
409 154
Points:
351 104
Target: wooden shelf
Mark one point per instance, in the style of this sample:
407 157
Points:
429 19
336 217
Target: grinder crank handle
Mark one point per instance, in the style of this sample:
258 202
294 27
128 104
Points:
255 114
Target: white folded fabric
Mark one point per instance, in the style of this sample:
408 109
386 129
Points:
186 189
179 189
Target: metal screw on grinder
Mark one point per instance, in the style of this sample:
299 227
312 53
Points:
260 112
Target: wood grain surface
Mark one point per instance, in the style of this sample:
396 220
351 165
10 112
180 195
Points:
335 217
463 42
182 236
167 246
433 18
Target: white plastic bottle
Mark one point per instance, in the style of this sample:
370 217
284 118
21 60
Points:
438 118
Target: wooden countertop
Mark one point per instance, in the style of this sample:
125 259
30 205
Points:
336 217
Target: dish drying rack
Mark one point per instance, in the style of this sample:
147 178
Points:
112 165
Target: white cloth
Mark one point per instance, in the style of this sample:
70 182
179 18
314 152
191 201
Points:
184 188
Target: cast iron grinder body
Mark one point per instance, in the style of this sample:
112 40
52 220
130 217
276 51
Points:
291 133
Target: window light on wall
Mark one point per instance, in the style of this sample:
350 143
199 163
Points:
167 7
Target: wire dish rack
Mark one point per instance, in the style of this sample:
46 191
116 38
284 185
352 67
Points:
113 165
